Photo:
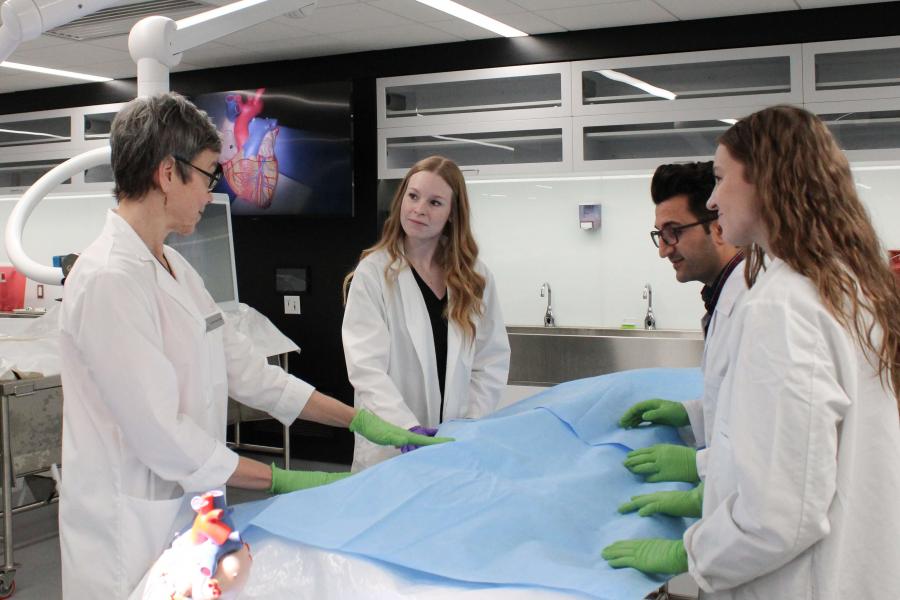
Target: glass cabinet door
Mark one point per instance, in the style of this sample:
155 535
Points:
21 174
688 80
529 91
865 130
504 147
32 131
641 141
852 69
97 125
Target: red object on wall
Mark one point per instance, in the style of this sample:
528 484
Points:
12 289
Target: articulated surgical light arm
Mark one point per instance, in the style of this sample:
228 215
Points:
157 43
23 208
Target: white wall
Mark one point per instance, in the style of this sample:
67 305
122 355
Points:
58 226
528 233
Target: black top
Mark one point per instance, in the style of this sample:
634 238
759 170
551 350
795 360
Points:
436 307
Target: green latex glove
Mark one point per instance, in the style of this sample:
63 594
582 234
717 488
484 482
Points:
655 410
290 481
378 431
664 462
649 556
676 504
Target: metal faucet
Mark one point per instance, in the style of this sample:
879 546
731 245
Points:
649 319
548 316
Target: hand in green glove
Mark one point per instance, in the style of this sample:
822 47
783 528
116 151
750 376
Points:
290 481
655 410
676 504
649 556
664 462
378 431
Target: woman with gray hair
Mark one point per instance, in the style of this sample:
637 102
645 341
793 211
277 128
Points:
148 363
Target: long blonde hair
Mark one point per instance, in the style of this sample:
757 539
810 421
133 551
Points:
456 253
818 225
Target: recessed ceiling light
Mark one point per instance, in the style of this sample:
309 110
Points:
57 72
476 18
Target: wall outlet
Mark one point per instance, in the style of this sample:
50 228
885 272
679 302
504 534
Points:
292 305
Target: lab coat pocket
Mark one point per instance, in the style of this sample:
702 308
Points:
146 529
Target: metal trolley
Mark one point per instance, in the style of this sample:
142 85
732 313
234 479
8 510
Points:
31 431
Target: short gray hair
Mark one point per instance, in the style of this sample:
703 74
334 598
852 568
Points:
147 130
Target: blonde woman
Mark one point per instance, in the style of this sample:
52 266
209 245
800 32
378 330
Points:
423 335
802 483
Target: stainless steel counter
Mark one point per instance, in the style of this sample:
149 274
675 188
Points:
545 356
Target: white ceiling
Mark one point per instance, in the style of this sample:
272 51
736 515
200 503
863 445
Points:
343 26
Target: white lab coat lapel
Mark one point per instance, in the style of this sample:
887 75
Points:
417 322
175 289
166 282
728 298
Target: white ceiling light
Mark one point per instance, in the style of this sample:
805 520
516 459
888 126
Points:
633 81
57 72
476 18
729 121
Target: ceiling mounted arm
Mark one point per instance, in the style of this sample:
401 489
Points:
156 43
25 20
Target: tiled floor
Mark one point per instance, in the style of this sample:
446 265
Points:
36 539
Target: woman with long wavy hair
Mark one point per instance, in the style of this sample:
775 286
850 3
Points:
424 338
803 476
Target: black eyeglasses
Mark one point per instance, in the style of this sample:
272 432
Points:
214 177
669 234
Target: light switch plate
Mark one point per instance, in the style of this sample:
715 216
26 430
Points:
292 305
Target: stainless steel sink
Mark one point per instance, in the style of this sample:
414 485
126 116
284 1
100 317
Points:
546 356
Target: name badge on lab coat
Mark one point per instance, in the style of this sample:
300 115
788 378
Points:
214 322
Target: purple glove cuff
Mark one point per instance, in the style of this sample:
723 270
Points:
430 432
424 430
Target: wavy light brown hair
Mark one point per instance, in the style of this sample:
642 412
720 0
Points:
456 253
818 225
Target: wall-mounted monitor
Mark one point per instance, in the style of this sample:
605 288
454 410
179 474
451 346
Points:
286 150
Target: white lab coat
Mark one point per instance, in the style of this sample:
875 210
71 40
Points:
389 349
146 382
714 365
803 477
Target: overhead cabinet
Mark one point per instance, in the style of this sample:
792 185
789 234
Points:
482 95
31 144
480 149
865 130
635 112
629 141
713 79
852 69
